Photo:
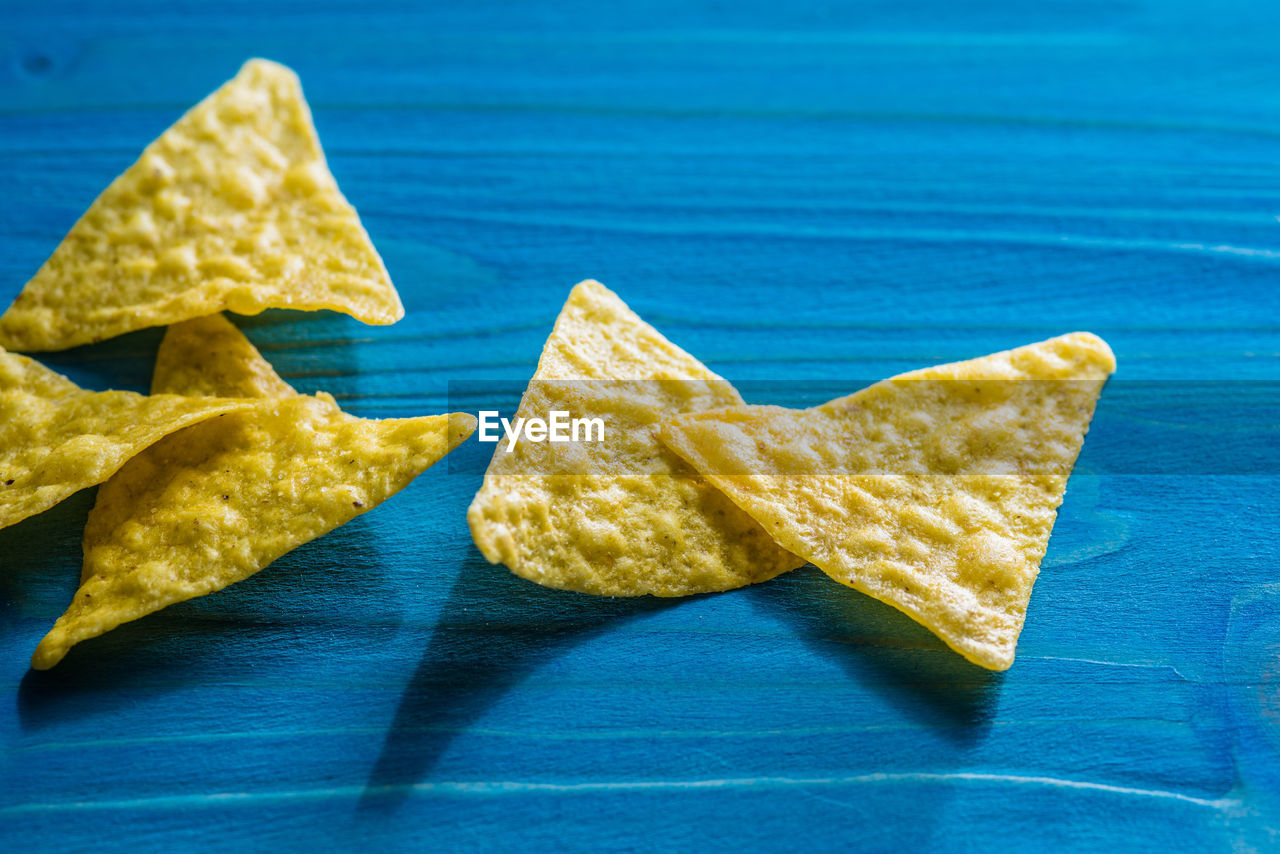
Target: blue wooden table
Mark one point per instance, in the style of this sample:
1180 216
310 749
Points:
831 192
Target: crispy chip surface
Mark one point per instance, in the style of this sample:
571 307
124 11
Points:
970 462
233 207
57 438
654 527
209 507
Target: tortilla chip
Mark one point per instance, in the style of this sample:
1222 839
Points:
231 208
634 520
210 357
57 438
965 465
213 505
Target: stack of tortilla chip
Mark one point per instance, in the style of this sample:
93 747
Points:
935 491
225 467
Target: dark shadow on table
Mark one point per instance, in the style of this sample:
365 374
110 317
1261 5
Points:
887 651
123 363
156 655
40 559
494 630
220 636
313 351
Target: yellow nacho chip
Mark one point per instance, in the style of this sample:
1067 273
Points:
634 520
214 504
210 357
965 464
233 207
57 438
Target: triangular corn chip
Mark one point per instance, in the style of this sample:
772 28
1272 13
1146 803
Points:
632 519
965 466
210 357
57 438
233 207
209 507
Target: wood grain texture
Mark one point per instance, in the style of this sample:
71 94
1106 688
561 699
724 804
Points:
833 193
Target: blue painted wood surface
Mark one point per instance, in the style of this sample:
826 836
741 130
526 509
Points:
824 192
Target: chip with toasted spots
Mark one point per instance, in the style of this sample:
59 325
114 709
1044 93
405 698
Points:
622 517
57 438
209 507
935 491
233 207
